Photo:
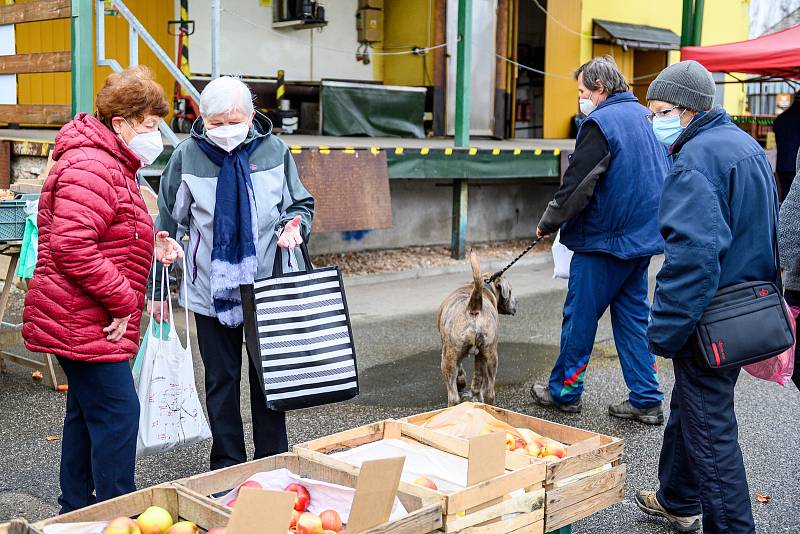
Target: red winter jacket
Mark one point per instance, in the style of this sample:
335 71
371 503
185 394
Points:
95 248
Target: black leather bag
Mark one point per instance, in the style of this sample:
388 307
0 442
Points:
745 323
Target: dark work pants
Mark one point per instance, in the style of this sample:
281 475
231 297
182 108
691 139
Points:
701 469
98 447
221 351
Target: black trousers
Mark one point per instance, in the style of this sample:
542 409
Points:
701 469
221 351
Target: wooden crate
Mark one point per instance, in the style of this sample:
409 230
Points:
424 514
179 503
570 496
477 509
16 526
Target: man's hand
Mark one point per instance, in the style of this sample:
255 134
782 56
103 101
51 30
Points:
167 249
116 329
156 309
290 237
541 235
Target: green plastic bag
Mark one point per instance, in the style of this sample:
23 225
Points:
29 251
154 330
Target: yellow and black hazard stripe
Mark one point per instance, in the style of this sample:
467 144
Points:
185 30
427 151
280 90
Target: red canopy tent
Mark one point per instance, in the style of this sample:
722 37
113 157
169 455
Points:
776 55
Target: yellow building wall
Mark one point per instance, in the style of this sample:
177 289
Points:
407 23
724 21
54 35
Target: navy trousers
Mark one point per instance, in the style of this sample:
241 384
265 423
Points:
221 351
701 468
597 281
98 447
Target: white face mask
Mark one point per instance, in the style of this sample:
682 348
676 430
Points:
586 105
148 146
230 136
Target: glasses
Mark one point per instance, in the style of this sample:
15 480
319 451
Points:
662 113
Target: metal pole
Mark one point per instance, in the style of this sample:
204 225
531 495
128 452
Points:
697 25
463 61
216 22
686 22
82 57
458 239
133 47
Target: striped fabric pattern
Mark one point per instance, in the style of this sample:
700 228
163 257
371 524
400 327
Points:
304 339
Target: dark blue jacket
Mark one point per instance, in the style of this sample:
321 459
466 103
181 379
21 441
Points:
622 217
718 217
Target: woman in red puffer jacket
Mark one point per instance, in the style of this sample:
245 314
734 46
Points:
96 245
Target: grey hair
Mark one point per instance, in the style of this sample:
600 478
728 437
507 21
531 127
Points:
605 69
226 94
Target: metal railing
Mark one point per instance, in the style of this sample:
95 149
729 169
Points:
137 31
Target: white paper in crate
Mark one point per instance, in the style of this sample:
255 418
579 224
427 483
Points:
324 496
170 411
95 527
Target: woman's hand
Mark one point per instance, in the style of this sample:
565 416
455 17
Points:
290 237
116 329
167 249
156 309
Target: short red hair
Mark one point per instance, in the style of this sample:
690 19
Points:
131 94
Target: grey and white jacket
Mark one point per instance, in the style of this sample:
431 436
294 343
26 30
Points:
789 235
187 197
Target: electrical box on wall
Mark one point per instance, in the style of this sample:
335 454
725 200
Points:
369 23
298 14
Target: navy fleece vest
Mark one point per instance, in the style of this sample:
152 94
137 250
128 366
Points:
622 217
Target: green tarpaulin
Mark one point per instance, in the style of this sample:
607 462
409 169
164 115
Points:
360 109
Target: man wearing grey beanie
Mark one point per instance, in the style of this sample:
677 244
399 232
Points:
718 217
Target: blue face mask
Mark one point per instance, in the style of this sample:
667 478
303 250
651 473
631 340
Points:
667 129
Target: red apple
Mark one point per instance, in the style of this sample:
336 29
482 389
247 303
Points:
309 524
331 520
520 444
251 484
183 527
302 500
425 482
122 525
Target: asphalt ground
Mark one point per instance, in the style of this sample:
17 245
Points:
399 373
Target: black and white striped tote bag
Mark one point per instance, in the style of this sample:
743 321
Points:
300 336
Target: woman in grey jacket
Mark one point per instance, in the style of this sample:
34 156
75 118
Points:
233 188
789 247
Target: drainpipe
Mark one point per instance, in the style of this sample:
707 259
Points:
697 25
686 22
82 56
458 236
216 22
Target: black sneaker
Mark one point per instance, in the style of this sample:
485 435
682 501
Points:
648 416
541 396
648 503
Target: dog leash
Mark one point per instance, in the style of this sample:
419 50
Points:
500 273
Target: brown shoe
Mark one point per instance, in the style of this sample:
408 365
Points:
648 503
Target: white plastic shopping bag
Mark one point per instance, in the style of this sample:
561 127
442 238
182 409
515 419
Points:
170 411
562 257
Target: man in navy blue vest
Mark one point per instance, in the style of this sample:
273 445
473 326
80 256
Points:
607 210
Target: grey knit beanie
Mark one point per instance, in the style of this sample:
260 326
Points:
687 84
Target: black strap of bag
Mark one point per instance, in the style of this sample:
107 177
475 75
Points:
745 323
277 265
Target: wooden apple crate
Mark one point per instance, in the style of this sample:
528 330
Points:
182 505
477 509
569 495
424 514
16 526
